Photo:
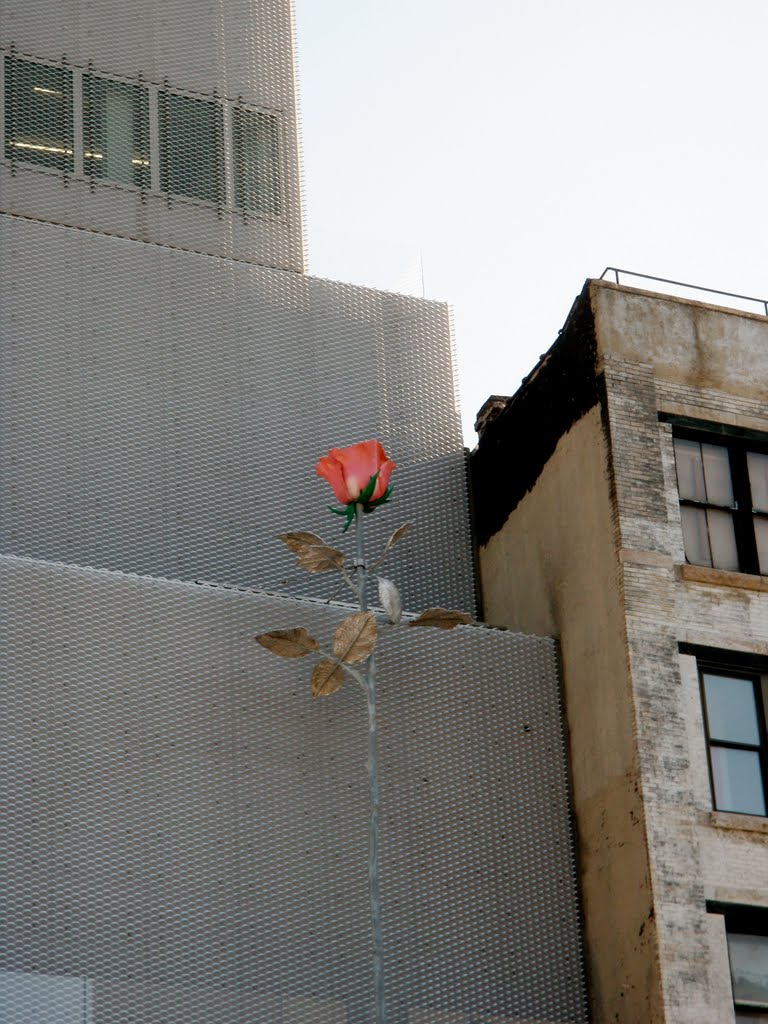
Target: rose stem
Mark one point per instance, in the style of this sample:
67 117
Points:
373 788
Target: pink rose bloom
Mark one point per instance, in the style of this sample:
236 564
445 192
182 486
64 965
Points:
349 471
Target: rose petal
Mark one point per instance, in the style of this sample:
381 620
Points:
382 481
330 469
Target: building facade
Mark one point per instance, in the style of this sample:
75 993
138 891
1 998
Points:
633 525
186 830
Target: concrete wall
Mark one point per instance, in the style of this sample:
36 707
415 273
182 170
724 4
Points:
688 343
239 50
184 836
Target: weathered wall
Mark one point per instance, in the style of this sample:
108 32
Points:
688 343
554 569
592 551
696 855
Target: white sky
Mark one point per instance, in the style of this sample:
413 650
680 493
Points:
524 146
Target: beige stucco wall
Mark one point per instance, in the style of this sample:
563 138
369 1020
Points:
554 568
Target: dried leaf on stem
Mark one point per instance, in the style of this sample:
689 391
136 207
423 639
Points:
441 618
355 638
398 535
288 643
297 539
389 596
313 553
327 677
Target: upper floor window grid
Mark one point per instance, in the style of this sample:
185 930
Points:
723 489
198 147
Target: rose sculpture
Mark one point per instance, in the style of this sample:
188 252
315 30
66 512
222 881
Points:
359 477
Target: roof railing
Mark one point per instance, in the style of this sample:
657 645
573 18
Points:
618 272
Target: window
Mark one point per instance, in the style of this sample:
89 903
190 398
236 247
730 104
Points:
191 147
115 131
38 114
257 169
45 998
747 933
723 488
139 135
734 714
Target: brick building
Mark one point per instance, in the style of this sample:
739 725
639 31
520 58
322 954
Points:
622 505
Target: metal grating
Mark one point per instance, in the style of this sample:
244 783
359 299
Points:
161 412
185 833
177 128
185 840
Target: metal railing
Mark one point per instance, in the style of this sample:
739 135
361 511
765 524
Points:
616 271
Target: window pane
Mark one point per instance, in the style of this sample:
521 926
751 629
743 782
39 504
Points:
731 709
751 1017
749 967
690 470
757 465
44 998
761 539
116 131
717 474
190 147
722 540
257 164
38 114
737 779
695 535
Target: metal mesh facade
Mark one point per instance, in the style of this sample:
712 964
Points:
174 123
187 829
185 840
162 412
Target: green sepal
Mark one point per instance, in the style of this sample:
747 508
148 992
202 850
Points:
367 492
350 517
380 501
348 511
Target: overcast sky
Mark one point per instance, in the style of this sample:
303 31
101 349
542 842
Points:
522 147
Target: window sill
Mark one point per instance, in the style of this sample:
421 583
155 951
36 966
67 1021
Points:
739 822
722 577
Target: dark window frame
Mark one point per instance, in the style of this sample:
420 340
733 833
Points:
743 920
258 185
742 665
759 680
737 444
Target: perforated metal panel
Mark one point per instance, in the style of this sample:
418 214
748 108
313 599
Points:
162 412
170 122
185 836
185 829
